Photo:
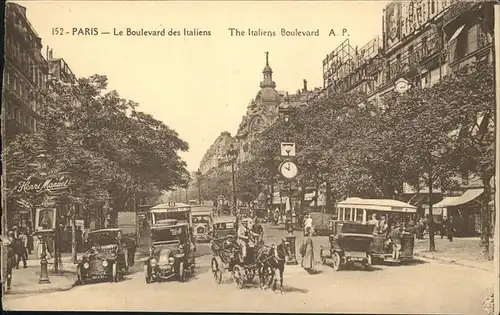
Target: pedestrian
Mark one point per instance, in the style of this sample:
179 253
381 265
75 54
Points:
7 245
307 251
79 239
308 224
419 231
395 237
23 248
31 246
449 228
258 230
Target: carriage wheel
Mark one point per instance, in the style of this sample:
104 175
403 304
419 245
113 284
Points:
336 261
238 275
217 273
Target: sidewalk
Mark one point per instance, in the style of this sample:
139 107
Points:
25 280
462 251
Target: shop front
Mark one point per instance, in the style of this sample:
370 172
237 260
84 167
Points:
464 211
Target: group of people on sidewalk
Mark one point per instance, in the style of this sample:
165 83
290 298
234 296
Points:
17 245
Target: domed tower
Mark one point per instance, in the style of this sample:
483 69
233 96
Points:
267 94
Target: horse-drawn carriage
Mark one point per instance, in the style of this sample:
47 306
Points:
349 243
260 260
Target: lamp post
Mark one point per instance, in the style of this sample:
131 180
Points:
286 111
44 273
198 179
233 154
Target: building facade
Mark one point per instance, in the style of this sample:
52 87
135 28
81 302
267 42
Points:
422 41
59 69
25 70
261 113
217 153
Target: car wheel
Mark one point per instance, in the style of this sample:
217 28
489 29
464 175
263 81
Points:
336 261
182 272
114 272
147 273
79 275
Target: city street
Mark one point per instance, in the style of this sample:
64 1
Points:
421 287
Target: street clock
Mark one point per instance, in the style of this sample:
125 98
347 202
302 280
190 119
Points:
288 169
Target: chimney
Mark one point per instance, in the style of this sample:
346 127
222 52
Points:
305 85
47 54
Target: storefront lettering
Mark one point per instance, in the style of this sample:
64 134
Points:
36 185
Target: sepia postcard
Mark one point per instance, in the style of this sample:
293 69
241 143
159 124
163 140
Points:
251 156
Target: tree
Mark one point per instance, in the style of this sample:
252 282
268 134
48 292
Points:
110 149
470 94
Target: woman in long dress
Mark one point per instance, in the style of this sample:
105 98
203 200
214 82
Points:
308 251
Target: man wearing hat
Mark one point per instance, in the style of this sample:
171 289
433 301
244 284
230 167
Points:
11 257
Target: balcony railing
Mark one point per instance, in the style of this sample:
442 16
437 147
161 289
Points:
457 9
412 59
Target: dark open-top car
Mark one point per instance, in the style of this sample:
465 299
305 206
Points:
106 256
171 253
349 243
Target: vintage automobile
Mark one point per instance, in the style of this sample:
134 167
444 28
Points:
171 254
106 256
223 245
383 250
202 224
349 243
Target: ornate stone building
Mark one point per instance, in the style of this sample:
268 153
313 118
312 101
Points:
261 113
216 153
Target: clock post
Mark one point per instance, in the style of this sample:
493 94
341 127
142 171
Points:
288 170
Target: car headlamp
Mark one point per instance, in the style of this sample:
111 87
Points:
105 263
171 260
153 261
86 265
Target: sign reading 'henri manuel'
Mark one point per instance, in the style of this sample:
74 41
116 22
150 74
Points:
36 185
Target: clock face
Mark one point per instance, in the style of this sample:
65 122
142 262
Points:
288 170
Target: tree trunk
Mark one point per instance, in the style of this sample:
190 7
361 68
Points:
73 235
485 218
328 199
316 195
432 244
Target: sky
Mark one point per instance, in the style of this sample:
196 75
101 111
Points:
200 86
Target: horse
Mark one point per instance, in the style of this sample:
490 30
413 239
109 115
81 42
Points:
269 259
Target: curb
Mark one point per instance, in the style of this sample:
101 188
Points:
451 261
41 291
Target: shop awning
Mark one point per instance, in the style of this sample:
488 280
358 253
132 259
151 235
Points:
457 32
467 196
389 205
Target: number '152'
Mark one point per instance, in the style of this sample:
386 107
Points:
57 31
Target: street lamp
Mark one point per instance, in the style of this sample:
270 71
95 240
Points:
198 179
233 154
287 112
44 273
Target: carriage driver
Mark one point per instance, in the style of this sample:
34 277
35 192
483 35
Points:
245 238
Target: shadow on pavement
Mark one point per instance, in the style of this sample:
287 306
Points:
289 289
